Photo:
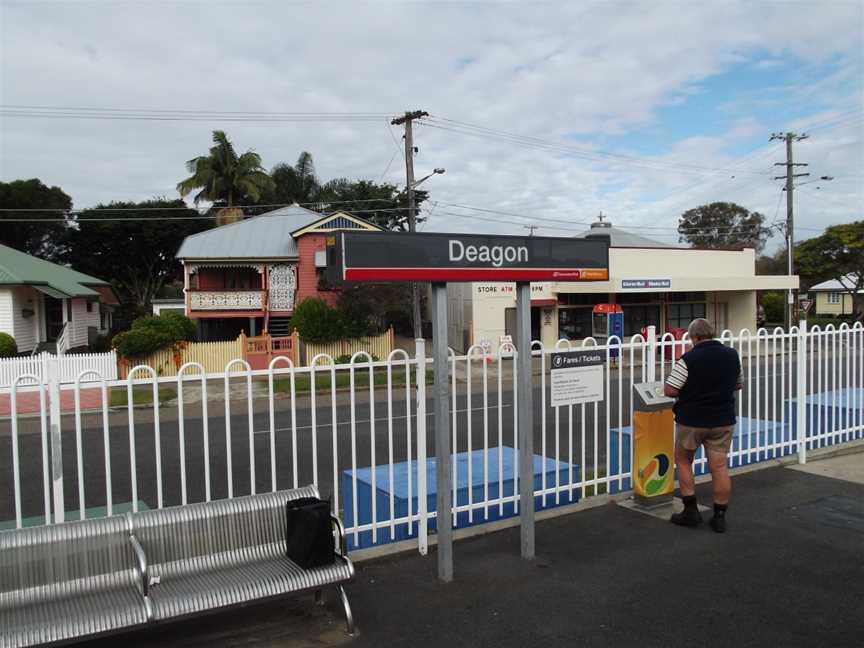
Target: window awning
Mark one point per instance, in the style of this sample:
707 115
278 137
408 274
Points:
51 292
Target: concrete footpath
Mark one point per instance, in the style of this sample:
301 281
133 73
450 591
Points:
790 572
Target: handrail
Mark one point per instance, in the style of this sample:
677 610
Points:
63 339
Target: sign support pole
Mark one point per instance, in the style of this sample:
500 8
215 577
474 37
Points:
443 468
525 409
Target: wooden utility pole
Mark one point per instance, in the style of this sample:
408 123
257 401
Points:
790 231
407 119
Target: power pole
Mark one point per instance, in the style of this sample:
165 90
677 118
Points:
531 229
407 119
790 231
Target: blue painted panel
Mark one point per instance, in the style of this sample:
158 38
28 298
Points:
402 497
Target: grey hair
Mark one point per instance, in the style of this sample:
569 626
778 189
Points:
700 328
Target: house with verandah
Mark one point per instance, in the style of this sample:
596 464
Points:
248 276
49 307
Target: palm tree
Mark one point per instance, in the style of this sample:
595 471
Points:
294 183
224 177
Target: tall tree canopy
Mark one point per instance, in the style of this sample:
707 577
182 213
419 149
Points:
836 254
722 224
35 237
291 183
382 204
225 178
136 255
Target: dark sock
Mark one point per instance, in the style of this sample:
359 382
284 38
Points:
690 503
718 522
720 509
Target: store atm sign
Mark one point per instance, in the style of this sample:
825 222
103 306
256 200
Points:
394 256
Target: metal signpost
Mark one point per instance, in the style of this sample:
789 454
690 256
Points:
441 258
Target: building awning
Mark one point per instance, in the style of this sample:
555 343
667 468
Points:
544 302
52 292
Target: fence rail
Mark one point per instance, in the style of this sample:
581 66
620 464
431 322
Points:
379 346
70 366
359 431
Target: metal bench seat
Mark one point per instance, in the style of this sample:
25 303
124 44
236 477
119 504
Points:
251 579
211 555
59 582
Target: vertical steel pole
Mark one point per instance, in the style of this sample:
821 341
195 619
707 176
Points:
526 418
53 366
443 469
801 393
652 355
422 491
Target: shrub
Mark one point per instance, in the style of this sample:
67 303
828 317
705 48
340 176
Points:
317 322
151 333
774 304
8 348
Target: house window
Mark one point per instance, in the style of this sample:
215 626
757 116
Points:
89 307
833 297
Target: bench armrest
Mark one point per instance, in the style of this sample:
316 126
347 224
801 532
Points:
142 567
340 530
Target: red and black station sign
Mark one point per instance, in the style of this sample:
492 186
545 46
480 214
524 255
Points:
396 256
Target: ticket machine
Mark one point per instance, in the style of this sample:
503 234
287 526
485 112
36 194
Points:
608 320
653 444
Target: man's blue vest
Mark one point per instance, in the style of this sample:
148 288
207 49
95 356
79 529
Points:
708 397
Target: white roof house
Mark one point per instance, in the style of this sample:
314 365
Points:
835 285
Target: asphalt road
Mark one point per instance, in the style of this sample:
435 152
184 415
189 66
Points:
315 437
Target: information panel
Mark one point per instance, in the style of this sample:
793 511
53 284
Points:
576 377
399 256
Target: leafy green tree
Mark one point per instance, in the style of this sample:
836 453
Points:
369 309
836 254
382 204
223 177
722 225
152 333
136 254
34 235
772 264
8 347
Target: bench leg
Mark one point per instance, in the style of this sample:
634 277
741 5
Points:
349 618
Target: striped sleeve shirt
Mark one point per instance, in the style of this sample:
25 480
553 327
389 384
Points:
677 378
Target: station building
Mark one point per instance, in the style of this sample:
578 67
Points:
655 283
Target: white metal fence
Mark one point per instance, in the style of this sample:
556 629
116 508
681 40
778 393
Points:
70 366
359 431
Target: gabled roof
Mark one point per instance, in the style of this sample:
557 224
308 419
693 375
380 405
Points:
337 221
834 285
21 269
622 238
267 236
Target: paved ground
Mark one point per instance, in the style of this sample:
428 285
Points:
790 572
28 402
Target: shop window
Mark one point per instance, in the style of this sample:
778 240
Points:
680 315
638 298
574 323
638 317
582 299
833 297
686 297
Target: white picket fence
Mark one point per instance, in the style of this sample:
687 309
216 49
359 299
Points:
70 367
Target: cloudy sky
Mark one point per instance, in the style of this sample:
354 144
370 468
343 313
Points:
638 109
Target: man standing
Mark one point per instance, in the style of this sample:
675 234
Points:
704 381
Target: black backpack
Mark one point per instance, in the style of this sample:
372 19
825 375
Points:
309 532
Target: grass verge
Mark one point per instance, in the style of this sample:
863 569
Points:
141 395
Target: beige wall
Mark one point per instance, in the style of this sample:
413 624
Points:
844 307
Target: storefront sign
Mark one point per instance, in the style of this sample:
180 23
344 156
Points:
576 377
394 256
646 284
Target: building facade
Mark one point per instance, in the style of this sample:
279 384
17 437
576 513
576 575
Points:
46 306
655 284
833 298
249 275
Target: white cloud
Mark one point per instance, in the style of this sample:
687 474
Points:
546 70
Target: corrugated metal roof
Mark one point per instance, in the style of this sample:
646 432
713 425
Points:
260 237
623 238
18 268
836 286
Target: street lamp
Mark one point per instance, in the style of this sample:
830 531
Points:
436 171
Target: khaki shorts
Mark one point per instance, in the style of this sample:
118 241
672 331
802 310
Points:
716 439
